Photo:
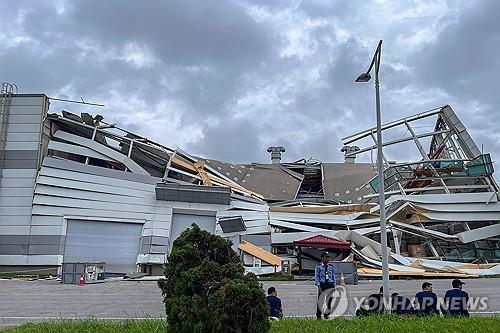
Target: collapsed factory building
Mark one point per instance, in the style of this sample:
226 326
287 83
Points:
75 188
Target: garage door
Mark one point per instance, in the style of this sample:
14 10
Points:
181 222
116 244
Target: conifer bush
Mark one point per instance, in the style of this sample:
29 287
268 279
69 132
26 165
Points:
205 289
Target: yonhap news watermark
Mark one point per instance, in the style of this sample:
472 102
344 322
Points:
336 302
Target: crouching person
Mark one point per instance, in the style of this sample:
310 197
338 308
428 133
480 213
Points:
373 304
401 305
427 300
274 303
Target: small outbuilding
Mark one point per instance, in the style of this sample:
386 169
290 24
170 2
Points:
340 248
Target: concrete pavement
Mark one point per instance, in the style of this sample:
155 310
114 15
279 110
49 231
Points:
28 301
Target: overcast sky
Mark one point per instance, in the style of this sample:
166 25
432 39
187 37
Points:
227 79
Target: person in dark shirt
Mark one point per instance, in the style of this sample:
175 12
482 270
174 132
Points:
426 300
456 300
401 305
373 304
274 303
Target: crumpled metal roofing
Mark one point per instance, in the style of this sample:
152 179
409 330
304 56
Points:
272 181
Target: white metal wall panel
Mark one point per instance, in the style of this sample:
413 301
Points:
181 222
459 207
27 101
88 178
14 230
16 201
15 211
66 183
16 192
46 230
26 119
461 217
17 182
23 128
25 110
18 177
19 173
14 260
98 171
67 211
116 244
480 233
23 137
88 195
15 220
93 204
46 220
21 146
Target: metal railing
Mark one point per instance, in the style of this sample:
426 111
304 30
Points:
5 100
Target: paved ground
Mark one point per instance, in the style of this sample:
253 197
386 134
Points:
25 301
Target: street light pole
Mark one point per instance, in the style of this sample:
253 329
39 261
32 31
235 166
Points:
365 77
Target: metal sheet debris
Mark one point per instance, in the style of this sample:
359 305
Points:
442 206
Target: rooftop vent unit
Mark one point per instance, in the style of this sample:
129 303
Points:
348 151
276 153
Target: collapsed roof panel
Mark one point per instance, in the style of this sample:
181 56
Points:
153 159
346 181
272 181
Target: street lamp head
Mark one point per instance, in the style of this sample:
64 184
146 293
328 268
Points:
365 77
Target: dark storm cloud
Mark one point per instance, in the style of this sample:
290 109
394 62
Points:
336 8
240 139
185 32
227 79
464 63
199 49
464 60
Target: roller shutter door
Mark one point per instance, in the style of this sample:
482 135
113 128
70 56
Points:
181 222
116 244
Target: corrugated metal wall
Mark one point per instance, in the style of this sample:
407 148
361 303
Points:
22 155
67 190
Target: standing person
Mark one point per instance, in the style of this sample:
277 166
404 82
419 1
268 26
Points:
426 300
456 299
274 303
324 278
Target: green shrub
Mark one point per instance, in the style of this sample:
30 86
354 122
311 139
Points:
205 289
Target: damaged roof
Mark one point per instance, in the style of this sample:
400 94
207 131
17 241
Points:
273 181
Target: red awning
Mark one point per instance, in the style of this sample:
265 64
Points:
321 241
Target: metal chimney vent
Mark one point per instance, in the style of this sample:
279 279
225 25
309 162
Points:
276 153
348 151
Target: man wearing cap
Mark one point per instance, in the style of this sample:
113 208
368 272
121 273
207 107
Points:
456 299
324 278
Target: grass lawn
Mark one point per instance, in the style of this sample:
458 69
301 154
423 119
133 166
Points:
373 324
